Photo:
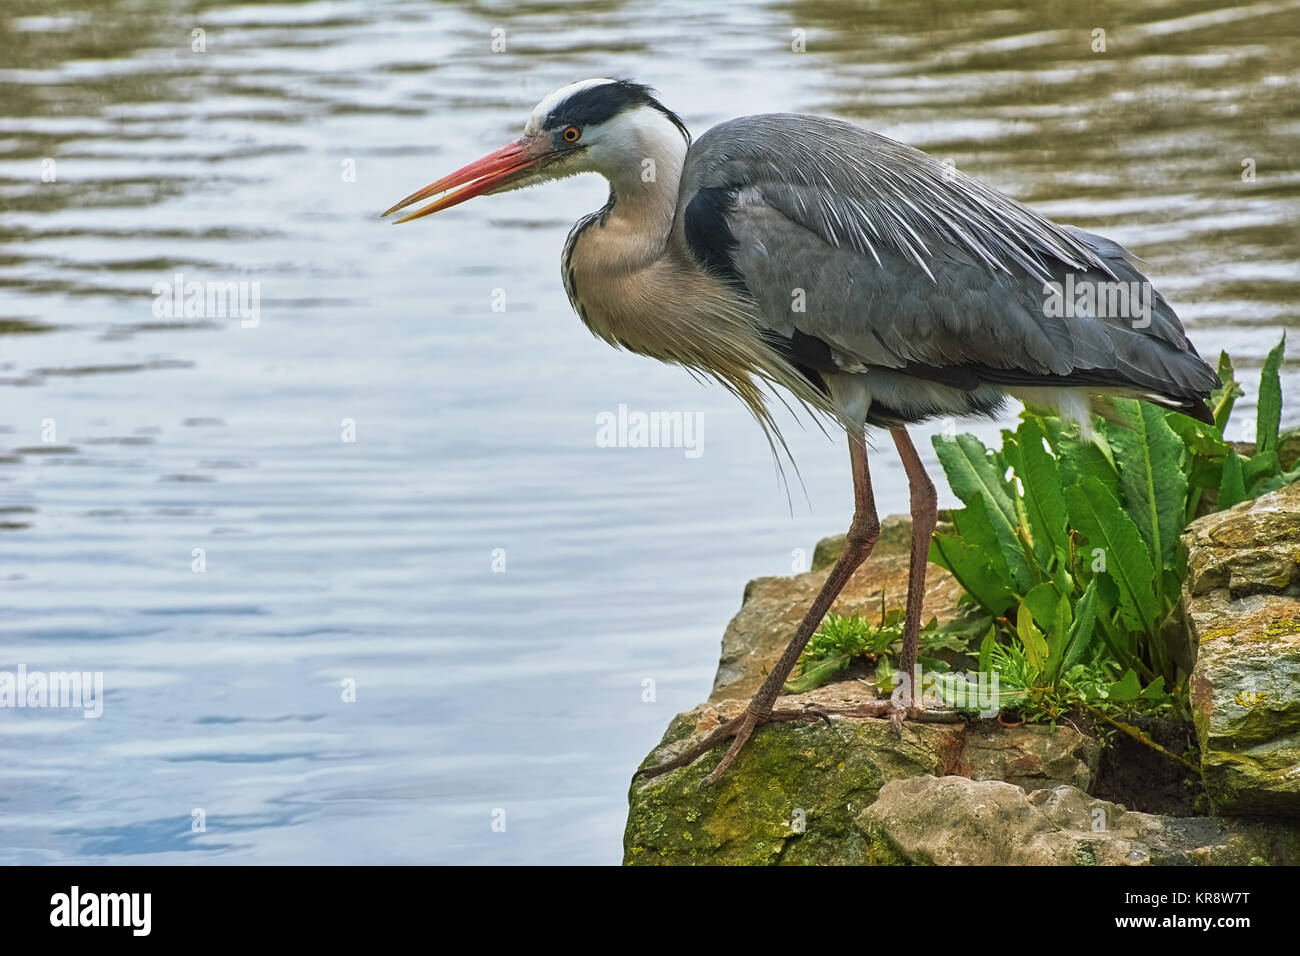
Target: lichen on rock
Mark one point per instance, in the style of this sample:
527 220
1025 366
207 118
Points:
1241 602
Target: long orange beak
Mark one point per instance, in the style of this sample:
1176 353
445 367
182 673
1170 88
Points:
481 176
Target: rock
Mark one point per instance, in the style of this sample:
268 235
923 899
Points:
1288 449
773 607
1033 756
829 549
1252 548
1241 604
1246 702
790 777
820 776
849 791
955 821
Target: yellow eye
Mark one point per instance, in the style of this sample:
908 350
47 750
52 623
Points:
571 134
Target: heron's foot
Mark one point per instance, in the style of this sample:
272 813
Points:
738 730
888 709
898 713
895 712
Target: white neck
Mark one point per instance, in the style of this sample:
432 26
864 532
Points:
642 159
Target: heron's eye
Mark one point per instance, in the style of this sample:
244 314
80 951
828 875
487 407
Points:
571 134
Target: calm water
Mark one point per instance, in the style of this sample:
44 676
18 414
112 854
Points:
127 440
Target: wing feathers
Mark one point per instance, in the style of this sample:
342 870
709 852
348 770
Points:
895 261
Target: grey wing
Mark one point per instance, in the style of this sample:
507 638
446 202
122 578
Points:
864 253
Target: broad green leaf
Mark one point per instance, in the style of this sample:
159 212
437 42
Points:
1257 468
1064 618
1126 688
1031 638
1078 459
931 665
1096 513
1058 637
1208 474
1041 601
979 525
1199 438
1268 414
972 472
1063 578
978 576
1154 690
1025 539
1153 486
1008 695
1044 498
1232 488
814 677
1101 439
975 477
965 694
1082 630
884 676
1276 481
986 651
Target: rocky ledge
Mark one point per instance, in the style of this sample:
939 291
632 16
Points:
849 791
1242 606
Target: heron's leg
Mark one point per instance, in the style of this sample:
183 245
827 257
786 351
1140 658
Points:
862 535
925 513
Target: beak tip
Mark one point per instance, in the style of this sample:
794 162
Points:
477 178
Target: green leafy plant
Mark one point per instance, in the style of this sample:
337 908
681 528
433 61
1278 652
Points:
1029 684
1071 542
1067 546
841 640
1221 475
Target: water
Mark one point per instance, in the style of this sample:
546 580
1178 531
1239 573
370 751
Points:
134 440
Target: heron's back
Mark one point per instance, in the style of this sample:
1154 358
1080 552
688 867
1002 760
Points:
865 257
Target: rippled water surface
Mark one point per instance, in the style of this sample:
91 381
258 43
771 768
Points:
128 440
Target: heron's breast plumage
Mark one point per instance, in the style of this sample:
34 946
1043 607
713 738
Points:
661 303
654 305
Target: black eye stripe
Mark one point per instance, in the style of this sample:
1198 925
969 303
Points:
598 104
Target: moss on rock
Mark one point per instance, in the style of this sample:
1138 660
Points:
1241 607
791 796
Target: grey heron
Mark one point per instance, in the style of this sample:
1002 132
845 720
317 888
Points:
873 283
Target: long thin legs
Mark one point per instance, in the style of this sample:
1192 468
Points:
863 532
925 513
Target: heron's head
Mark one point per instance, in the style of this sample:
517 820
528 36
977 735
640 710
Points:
605 126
